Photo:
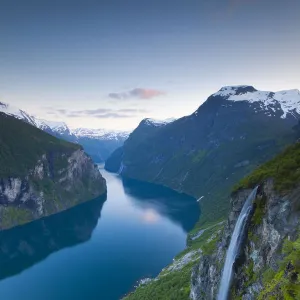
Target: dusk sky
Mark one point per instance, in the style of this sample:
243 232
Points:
109 64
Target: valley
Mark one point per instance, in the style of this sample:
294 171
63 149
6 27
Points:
164 175
106 245
149 150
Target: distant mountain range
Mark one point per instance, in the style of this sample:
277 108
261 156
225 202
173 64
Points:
98 143
206 153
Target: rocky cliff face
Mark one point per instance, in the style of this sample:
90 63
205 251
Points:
40 174
48 189
268 264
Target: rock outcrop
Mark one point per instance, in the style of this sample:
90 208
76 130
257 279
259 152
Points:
41 175
267 264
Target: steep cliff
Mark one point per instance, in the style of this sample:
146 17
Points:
40 174
206 153
268 264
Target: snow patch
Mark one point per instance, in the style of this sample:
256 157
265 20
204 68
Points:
288 100
157 123
61 127
230 90
100 133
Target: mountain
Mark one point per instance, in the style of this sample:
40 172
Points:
204 154
267 265
41 175
98 143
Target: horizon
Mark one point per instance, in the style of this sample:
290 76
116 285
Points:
147 117
109 66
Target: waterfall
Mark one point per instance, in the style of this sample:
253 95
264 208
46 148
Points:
234 246
121 168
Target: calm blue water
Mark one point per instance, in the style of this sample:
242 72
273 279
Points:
97 250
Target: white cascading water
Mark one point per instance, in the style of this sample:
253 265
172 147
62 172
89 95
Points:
234 246
121 168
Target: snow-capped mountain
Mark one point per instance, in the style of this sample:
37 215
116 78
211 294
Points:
100 133
98 143
48 126
17 113
283 102
156 123
206 153
58 127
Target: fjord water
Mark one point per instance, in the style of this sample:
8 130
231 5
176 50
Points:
234 246
97 250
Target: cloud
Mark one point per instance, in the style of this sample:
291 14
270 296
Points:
99 113
93 111
138 93
113 115
132 110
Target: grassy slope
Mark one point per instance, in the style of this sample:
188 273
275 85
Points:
175 285
181 156
284 169
285 283
22 145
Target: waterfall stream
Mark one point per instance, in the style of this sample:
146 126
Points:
234 246
121 168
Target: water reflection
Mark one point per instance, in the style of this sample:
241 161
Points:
159 201
24 246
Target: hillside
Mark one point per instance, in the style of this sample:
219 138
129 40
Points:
267 266
98 143
206 153
40 174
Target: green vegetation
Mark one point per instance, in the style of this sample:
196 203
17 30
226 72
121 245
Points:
267 276
11 215
259 204
284 169
251 275
40 161
285 283
172 286
199 156
22 145
205 242
180 156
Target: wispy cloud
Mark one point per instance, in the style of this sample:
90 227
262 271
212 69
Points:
99 113
138 93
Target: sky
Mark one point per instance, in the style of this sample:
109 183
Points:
109 64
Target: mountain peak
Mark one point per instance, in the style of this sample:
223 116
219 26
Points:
288 100
235 90
100 133
156 123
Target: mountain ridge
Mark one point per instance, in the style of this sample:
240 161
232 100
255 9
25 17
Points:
40 174
205 153
98 143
